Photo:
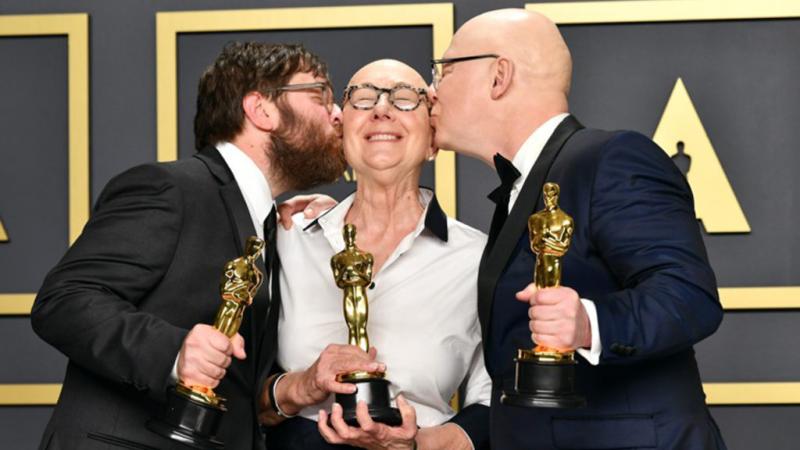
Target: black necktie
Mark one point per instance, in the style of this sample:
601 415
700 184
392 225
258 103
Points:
500 196
271 266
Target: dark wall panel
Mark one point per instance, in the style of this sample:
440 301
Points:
33 175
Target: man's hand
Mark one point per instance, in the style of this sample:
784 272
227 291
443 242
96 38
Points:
371 435
311 205
558 319
206 354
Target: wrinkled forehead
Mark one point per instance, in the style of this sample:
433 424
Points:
387 74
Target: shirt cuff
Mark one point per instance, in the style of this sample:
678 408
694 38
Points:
471 445
592 355
173 376
474 422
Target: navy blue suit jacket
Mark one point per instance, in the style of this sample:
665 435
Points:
637 253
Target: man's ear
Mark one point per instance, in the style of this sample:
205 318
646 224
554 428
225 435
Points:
259 111
433 150
503 74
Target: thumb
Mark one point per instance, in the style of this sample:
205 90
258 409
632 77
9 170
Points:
237 341
527 294
407 412
373 353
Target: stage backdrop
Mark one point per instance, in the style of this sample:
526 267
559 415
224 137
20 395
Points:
90 88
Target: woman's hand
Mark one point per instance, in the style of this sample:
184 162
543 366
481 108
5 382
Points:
371 435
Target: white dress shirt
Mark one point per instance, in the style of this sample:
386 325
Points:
422 308
524 160
252 182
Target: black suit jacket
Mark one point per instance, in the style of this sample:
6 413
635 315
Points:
638 254
147 268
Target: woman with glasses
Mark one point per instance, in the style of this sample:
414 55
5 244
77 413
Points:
422 313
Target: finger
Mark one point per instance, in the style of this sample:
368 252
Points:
545 313
364 420
198 379
338 423
211 370
320 202
408 413
285 219
373 353
527 294
552 296
237 344
218 341
333 386
327 432
550 328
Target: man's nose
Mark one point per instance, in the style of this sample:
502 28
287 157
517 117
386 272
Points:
336 115
432 94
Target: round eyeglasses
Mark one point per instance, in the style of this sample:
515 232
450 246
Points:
402 96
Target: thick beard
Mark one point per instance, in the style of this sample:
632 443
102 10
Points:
303 155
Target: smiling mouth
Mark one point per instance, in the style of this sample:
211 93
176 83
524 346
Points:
382 137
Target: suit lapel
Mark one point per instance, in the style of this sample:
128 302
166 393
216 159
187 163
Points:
495 259
241 223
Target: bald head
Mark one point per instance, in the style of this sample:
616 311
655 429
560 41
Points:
387 73
529 39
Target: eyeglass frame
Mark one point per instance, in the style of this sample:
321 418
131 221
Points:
326 87
422 95
436 75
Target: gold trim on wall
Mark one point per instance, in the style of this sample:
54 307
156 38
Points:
29 394
717 394
571 13
169 24
733 299
76 28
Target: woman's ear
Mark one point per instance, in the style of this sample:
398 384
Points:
259 111
502 76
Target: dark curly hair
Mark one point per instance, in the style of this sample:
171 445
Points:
244 67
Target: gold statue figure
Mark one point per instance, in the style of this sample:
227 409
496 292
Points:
551 232
352 270
239 284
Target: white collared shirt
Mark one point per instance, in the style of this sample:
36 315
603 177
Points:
252 182
422 309
524 160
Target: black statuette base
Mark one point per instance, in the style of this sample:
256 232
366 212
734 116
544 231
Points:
376 394
544 384
188 422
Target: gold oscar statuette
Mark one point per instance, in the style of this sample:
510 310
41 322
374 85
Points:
545 377
352 272
193 412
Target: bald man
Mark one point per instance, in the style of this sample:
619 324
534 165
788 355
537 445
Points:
637 290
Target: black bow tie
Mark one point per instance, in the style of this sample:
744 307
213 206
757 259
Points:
508 175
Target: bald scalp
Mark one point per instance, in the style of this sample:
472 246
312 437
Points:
529 39
388 72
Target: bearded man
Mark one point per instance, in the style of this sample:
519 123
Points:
129 301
